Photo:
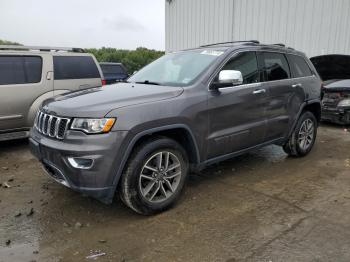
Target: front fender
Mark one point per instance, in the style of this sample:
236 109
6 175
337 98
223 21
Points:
136 137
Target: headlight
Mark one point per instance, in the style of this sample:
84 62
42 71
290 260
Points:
93 126
344 102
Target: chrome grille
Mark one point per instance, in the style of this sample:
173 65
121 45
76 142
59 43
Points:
52 126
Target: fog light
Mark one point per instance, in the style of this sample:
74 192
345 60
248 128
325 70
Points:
81 163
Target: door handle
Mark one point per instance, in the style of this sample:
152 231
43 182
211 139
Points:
297 85
49 75
259 91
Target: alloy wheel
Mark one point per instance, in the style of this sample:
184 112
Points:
306 134
160 176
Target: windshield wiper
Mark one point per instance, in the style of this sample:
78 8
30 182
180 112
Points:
146 82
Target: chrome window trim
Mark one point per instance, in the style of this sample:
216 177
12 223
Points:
259 83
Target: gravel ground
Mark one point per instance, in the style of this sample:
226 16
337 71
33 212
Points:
262 206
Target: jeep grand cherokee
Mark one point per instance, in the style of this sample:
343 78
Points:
183 112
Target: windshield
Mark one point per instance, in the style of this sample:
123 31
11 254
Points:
176 69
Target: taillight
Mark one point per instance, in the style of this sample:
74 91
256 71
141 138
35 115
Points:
104 82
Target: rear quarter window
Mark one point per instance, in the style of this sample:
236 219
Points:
298 66
20 70
75 67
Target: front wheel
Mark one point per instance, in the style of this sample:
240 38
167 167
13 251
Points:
303 137
155 176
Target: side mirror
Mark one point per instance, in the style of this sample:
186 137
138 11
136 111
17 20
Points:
228 78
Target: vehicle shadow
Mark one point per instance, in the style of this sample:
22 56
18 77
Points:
333 125
14 143
13 146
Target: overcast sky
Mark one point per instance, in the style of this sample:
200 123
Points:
84 23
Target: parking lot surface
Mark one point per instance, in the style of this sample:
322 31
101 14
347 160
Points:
262 206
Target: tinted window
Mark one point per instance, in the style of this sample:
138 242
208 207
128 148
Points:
274 66
299 66
112 69
20 69
33 66
75 67
247 64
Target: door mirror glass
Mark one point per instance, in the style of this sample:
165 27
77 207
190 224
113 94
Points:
228 78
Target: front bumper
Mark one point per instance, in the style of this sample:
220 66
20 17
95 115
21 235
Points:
336 115
97 181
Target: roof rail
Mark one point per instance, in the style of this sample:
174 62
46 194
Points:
233 42
280 44
41 48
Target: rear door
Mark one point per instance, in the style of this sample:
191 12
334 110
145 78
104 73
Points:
282 99
23 78
74 72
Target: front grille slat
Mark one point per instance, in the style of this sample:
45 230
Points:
62 128
41 121
48 128
57 125
46 124
52 126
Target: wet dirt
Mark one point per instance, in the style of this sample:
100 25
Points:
262 206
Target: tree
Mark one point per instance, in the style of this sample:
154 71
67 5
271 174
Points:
5 42
133 60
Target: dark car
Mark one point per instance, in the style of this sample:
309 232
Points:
113 72
336 102
335 72
181 113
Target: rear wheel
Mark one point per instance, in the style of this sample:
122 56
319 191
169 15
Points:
303 137
155 176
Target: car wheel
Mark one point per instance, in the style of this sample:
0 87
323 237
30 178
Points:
155 176
303 137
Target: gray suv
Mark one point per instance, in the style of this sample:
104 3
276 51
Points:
181 113
31 74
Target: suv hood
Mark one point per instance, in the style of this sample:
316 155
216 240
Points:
332 66
97 102
337 85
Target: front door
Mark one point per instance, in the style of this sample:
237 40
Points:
237 113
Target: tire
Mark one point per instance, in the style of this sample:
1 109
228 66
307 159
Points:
139 191
295 145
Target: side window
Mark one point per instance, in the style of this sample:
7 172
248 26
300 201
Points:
298 66
246 63
74 67
33 67
274 66
112 69
20 69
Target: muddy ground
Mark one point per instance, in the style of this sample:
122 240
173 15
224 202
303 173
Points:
260 206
